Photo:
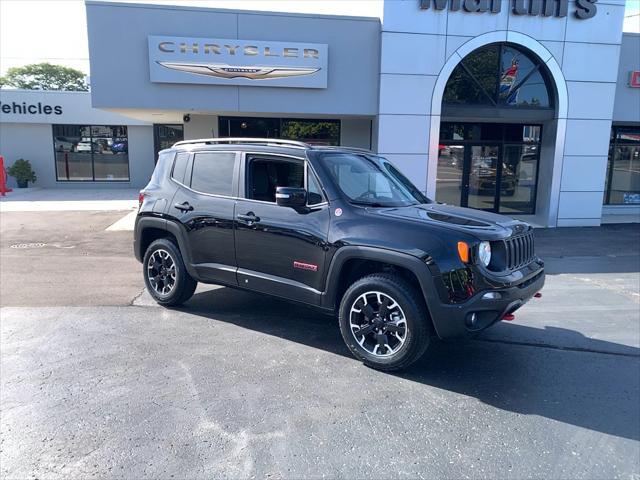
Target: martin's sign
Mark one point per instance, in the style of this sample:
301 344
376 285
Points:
219 61
547 8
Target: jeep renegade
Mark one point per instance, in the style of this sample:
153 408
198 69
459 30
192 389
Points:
336 228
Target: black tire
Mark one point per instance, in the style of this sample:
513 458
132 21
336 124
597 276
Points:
183 284
418 327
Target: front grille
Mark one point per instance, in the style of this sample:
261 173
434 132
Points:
519 251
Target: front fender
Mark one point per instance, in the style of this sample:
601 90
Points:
414 264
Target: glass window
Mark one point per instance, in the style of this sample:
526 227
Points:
518 181
461 89
251 127
317 132
213 173
532 93
110 153
91 152
481 163
449 174
366 181
265 175
162 169
627 134
623 172
514 68
314 192
180 167
498 75
483 65
166 135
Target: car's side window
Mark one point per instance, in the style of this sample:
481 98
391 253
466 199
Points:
314 192
180 167
264 175
213 172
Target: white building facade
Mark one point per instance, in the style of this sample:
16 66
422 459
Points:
423 42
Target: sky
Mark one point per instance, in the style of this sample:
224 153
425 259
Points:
55 31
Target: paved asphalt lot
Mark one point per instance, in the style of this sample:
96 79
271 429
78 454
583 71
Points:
98 382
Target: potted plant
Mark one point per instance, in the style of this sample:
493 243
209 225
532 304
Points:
23 173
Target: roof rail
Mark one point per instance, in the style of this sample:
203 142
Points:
341 147
262 141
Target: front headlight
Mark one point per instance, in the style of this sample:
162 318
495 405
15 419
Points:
484 253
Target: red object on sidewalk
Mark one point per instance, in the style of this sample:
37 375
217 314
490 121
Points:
3 178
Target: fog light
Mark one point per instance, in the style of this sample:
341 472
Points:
492 296
471 320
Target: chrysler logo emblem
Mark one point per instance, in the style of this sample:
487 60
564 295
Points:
236 71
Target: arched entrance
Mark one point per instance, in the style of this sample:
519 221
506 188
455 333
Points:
494 108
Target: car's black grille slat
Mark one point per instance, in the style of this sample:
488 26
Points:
519 251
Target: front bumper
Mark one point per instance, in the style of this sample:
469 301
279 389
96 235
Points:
454 320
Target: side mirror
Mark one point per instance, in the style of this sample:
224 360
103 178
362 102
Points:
291 197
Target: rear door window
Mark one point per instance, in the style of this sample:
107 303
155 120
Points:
214 173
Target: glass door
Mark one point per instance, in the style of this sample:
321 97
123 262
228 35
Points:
449 181
164 136
482 175
519 179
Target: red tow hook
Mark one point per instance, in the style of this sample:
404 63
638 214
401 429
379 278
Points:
509 317
538 295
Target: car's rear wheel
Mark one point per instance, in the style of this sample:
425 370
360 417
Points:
384 322
165 274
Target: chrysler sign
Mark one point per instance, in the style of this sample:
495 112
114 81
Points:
224 61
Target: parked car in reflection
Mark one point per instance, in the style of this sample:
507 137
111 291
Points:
119 147
63 144
483 177
88 147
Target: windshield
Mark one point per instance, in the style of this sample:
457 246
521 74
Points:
371 180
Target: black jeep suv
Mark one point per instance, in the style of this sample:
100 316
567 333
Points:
336 228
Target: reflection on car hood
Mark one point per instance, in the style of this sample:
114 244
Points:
472 221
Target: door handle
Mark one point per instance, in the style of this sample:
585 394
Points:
249 218
184 207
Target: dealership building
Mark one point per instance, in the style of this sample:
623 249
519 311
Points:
529 108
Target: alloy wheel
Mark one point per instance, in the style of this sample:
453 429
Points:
161 272
378 324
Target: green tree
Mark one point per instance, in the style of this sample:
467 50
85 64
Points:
45 76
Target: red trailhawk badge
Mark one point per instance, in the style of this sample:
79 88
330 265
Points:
305 266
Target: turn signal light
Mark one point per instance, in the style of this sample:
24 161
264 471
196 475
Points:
140 199
463 252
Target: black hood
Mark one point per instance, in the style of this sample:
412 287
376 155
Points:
484 225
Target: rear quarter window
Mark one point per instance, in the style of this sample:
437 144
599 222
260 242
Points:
165 160
180 167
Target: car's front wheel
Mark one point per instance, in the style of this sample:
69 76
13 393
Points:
384 322
165 274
